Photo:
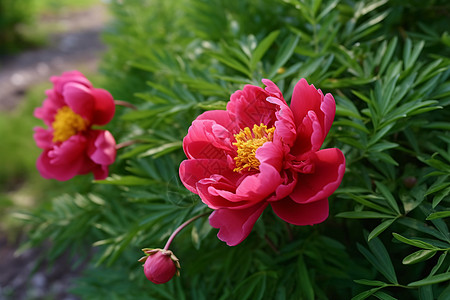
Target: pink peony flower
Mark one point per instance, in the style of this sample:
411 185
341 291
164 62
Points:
260 151
160 265
71 146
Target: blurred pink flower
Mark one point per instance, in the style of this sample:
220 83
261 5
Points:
260 151
160 265
70 145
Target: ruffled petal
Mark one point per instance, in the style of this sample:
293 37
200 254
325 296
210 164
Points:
235 224
248 107
307 98
70 76
104 107
285 126
102 147
80 99
43 137
309 138
329 168
68 151
193 170
207 140
61 171
221 117
301 214
272 89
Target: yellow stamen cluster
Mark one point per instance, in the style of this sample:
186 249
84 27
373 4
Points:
67 123
247 141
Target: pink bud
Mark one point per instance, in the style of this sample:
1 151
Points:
160 265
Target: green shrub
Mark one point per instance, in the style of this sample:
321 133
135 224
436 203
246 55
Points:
386 235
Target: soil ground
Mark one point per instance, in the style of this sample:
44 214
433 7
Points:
77 45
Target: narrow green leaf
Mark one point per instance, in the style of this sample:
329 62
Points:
431 280
388 196
162 149
383 296
380 228
262 48
418 256
366 294
370 282
363 215
383 258
439 263
286 51
426 292
439 215
126 180
415 243
304 280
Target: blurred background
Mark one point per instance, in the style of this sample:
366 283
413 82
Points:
38 39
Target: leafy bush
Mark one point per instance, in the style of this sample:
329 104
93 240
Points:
386 235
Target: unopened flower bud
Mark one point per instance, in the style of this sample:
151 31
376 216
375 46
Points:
160 265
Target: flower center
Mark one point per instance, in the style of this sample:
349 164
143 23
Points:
247 141
66 124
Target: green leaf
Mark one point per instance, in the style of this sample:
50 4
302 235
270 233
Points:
439 215
283 55
262 48
415 243
388 196
418 256
304 280
162 149
126 180
370 282
380 228
440 196
363 215
431 280
365 294
384 261
383 296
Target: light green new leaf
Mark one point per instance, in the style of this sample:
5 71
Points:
418 256
431 280
439 215
416 243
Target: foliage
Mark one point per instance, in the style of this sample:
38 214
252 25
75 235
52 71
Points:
387 235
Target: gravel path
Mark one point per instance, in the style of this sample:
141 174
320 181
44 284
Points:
77 46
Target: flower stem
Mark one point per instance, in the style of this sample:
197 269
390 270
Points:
172 236
125 103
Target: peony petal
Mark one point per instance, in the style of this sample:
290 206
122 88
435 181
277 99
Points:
48 110
307 98
62 172
221 117
329 168
104 107
285 125
100 172
310 136
235 225
68 151
301 214
102 147
272 89
80 99
193 170
207 140
248 107
43 137
70 76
